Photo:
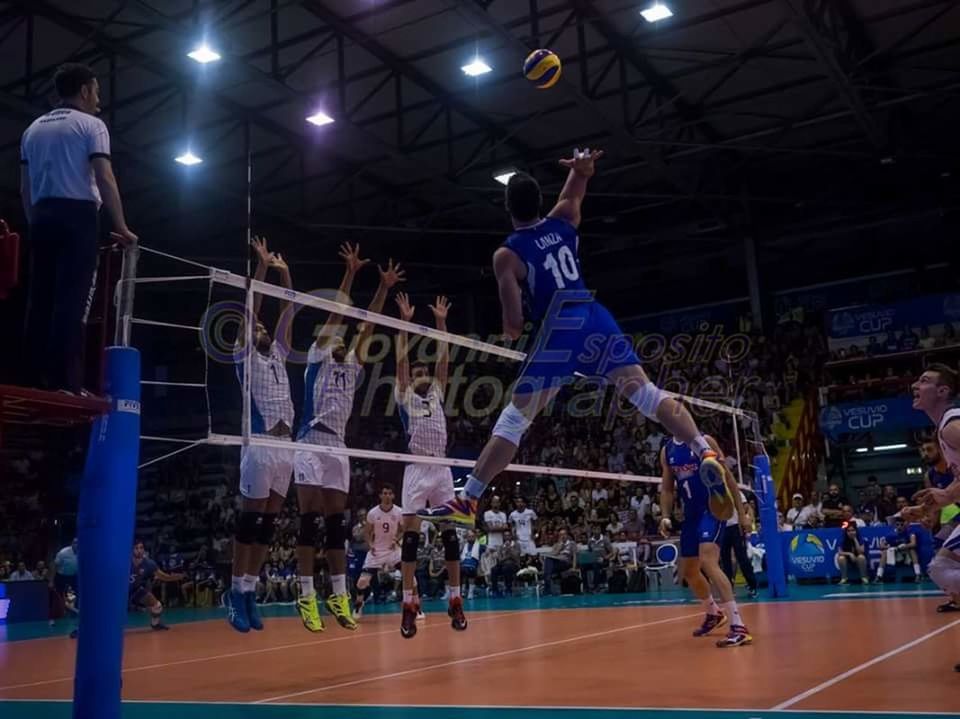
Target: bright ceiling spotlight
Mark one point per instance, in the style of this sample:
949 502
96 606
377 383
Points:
656 12
203 54
503 176
476 67
188 159
319 118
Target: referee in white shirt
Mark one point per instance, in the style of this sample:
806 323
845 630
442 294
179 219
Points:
65 175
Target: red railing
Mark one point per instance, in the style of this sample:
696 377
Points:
805 456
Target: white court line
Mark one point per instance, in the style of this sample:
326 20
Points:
900 594
231 655
532 707
860 667
480 658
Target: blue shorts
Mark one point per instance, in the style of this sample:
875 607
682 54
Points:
138 595
579 337
699 527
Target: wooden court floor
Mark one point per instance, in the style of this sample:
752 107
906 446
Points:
835 655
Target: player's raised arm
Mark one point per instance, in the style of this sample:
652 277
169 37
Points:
389 277
581 167
667 487
279 264
508 270
440 311
351 257
403 361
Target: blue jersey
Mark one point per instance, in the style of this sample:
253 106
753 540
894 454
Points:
141 575
685 466
550 250
900 538
940 480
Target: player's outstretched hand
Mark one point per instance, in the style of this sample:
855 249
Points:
278 263
932 497
392 275
666 526
350 254
583 161
260 247
406 309
441 308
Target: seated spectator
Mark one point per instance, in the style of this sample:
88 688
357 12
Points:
552 504
438 569
832 507
852 550
422 571
633 526
887 504
926 341
603 553
575 514
559 559
909 339
507 565
850 518
21 574
40 572
614 526
891 344
901 546
801 516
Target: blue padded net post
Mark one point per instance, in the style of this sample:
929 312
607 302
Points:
769 531
105 525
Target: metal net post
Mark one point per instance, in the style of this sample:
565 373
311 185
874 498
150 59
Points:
126 288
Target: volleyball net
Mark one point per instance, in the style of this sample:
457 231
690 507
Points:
209 395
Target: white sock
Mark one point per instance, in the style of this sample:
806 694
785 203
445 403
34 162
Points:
249 583
710 606
699 445
408 596
916 569
880 572
733 613
306 587
454 592
236 584
339 583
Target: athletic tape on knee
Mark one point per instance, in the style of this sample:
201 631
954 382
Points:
511 425
647 399
945 572
451 545
248 525
336 534
408 546
267 529
309 529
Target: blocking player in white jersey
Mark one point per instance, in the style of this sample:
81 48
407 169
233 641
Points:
420 401
935 393
323 480
382 530
264 471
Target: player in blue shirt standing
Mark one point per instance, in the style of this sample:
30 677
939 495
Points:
700 535
539 279
143 572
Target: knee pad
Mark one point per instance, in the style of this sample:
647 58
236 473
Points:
451 545
248 526
336 535
945 572
408 546
267 529
647 399
309 529
511 425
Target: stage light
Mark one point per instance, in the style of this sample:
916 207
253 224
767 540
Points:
188 158
319 118
503 176
476 67
888 447
656 12
203 54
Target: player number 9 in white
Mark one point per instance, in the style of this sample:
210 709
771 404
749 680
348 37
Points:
566 267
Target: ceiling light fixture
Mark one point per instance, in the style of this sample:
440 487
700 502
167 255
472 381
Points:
476 67
319 118
656 12
503 177
188 159
203 54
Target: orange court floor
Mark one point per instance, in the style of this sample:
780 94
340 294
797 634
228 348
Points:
825 651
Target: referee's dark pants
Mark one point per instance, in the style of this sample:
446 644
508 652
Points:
733 542
63 264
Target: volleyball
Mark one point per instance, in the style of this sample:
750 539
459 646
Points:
542 68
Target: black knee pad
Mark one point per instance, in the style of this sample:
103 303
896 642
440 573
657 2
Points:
267 529
451 545
309 529
248 525
336 531
408 547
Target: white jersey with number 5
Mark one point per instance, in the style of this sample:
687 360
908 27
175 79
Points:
385 528
423 420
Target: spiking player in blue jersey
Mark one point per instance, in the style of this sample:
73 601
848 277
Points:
539 279
700 535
